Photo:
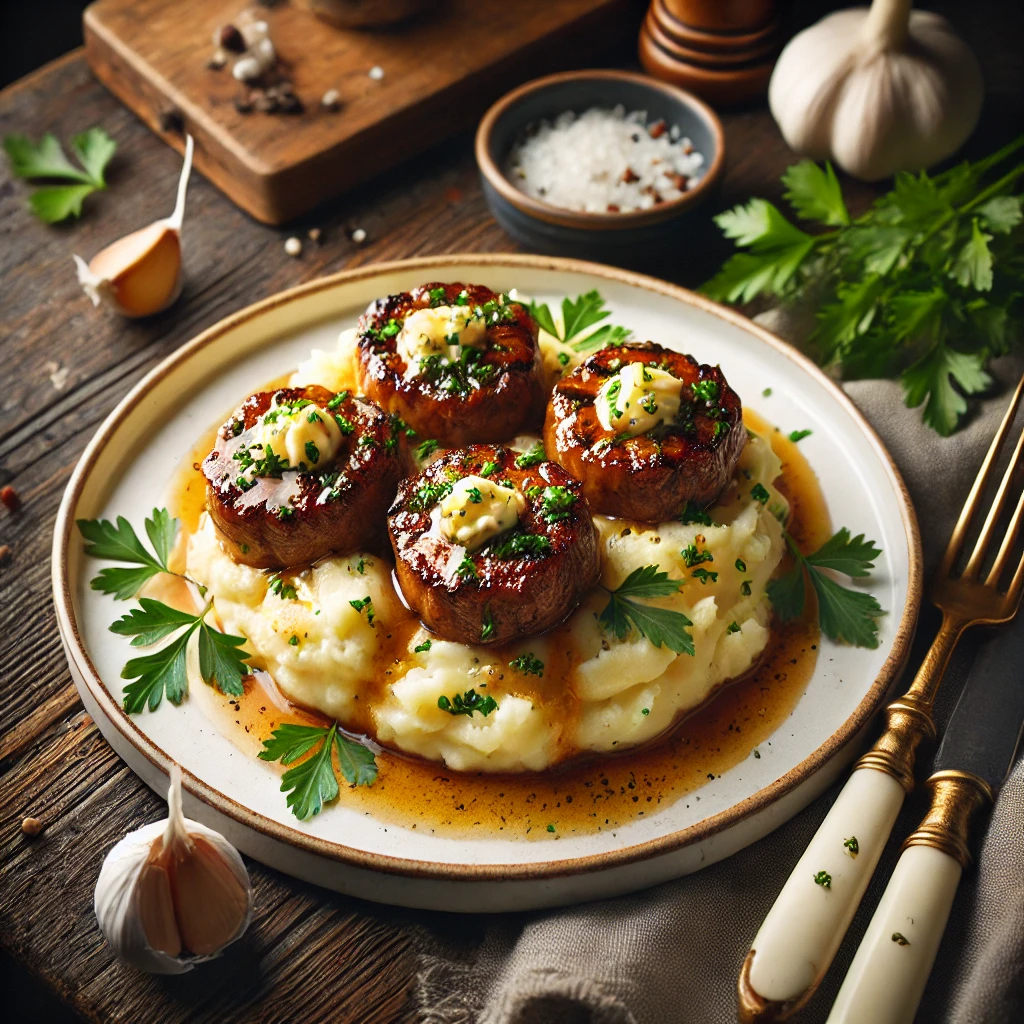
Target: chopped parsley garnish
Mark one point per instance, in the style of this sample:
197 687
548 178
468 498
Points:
423 647
285 591
660 626
528 664
474 495
312 453
704 576
692 557
741 566
427 495
467 703
844 615
767 393
487 626
734 627
467 569
367 603
760 494
555 502
694 514
900 939
799 435
824 879
314 417
551 828
340 397
313 782
533 456
488 468
293 640
852 845
520 545
361 567
645 711
706 391
345 426
426 448
745 588
436 296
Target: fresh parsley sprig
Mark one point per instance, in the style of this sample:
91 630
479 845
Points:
845 615
927 285
661 626
313 781
119 543
45 160
163 672
578 316
221 663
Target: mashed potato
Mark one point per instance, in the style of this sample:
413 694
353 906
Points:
329 649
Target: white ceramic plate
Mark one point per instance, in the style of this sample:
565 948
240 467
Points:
127 466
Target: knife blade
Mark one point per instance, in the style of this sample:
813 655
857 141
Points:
984 732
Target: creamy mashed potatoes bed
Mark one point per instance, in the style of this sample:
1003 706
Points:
329 649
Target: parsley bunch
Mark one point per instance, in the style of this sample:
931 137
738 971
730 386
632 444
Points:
45 160
927 285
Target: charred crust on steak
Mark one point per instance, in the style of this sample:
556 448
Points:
271 515
522 581
489 393
652 476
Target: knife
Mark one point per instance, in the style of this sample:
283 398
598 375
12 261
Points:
888 975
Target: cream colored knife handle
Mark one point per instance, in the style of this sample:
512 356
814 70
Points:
889 972
806 925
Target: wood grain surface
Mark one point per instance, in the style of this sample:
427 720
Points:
310 955
442 70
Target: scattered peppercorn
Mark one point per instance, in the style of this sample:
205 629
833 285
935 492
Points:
231 39
31 826
10 497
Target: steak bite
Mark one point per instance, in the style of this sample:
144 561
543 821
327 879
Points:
486 551
459 363
646 430
299 473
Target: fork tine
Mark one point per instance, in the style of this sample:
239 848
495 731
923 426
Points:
980 483
994 512
999 565
1016 586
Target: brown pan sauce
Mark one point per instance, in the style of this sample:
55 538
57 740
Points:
600 793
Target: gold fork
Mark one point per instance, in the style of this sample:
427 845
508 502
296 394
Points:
796 943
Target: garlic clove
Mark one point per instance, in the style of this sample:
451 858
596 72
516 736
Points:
141 274
211 903
173 893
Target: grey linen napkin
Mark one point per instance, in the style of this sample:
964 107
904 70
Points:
671 954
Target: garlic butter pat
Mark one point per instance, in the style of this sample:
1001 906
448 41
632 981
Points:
440 331
301 435
478 509
637 399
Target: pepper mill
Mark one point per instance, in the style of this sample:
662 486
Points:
722 50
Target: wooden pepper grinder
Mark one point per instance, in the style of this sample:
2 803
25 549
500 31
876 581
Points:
723 50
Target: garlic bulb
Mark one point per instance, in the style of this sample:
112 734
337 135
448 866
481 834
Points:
141 274
172 893
879 90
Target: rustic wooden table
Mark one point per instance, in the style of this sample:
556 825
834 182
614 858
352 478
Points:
310 955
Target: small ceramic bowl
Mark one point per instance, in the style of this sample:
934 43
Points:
625 238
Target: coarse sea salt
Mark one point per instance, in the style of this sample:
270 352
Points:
604 161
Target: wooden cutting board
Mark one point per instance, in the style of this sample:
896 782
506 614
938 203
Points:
441 71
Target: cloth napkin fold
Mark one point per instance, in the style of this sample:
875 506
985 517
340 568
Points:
671 954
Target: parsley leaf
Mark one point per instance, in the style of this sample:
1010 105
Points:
150 622
163 671
579 315
533 456
661 626
119 543
847 616
221 663
932 378
815 194
46 161
467 703
313 782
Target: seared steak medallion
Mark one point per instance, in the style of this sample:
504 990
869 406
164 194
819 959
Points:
459 363
646 430
487 550
298 473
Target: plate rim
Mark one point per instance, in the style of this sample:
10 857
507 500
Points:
409 867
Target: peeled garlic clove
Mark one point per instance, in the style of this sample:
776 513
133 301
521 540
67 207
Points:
173 893
141 274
